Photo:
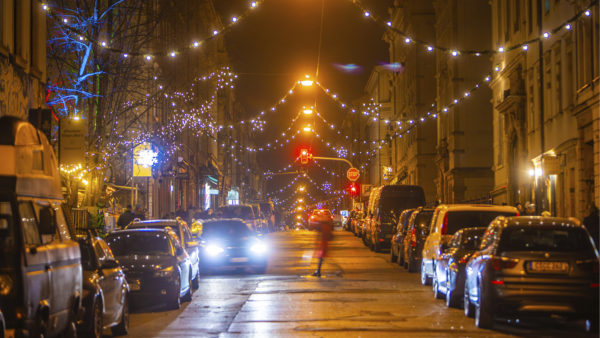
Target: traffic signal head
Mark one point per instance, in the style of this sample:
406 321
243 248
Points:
353 189
305 156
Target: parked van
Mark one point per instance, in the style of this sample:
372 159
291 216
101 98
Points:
450 218
40 268
369 215
388 204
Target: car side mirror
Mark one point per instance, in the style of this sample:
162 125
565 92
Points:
47 225
109 264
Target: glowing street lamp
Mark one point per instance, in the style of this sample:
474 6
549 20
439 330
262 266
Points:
300 200
301 188
307 111
307 82
307 129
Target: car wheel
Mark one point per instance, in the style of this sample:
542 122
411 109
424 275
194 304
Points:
451 300
436 289
196 281
94 327
468 307
174 301
425 280
188 295
123 327
484 319
393 257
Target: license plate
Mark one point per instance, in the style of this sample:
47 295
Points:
549 266
239 260
134 287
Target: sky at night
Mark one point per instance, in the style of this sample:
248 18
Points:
278 43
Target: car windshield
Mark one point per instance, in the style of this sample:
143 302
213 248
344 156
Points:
471 219
139 243
392 206
238 211
231 229
472 239
545 238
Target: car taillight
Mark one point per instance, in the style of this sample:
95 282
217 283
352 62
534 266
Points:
498 282
518 214
413 237
594 285
464 259
503 263
444 224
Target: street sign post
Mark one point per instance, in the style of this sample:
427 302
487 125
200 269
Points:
353 174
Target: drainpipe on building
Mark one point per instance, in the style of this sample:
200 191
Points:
539 184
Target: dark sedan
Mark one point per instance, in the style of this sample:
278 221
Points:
449 278
416 234
533 266
397 244
232 244
184 235
105 290
155 264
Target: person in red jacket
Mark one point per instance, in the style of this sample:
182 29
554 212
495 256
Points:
325 228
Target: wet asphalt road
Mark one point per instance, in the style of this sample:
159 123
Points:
361 294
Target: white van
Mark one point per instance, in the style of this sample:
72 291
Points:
448 219
40 264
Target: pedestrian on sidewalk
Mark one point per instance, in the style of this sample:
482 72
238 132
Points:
126 217
325 228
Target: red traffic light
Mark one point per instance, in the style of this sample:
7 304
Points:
305 155
353 189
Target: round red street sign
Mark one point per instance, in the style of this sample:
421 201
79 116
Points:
353 174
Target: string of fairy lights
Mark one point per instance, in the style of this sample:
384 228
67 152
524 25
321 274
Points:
55 14
197 118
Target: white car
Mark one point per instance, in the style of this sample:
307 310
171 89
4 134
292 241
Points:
448 219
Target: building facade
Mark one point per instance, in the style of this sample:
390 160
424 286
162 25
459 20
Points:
464 131
546 108
22 57
412 156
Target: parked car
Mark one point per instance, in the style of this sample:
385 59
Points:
40 263
389 203
338 220
448 219
242 211
417 232
155 264
184 236
533 266
397 243
449 280
232 244
353 221
105 290
369 216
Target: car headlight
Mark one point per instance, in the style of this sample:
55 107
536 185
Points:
213 250
166 272
6 284
259 248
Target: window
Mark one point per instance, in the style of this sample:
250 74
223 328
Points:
557 80
61 224
507 21
31 235
546 6
500 140
530 16
569 84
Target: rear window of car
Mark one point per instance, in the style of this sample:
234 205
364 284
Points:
471 219
472 239
139 243
545 238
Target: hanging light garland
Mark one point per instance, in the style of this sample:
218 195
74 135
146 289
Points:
54 13
431 47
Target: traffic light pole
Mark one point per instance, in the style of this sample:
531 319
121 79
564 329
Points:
333 159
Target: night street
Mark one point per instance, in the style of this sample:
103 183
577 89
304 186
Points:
372 298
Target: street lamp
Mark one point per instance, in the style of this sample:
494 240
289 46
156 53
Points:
307 111
307 129
301 188
307 82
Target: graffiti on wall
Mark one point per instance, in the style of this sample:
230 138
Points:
18 91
